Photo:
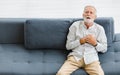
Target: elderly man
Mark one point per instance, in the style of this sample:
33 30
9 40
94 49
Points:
85 39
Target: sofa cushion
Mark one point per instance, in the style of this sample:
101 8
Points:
46 33
17 60
11 30
52 33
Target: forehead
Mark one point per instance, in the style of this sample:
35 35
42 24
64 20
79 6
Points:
90 9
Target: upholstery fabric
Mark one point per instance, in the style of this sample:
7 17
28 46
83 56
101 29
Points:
11 30
46 33
117 37
16 60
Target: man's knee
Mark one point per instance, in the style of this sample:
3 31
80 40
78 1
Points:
101 72
62 73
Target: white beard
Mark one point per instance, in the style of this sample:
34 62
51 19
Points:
88 20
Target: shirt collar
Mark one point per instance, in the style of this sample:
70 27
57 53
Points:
89 27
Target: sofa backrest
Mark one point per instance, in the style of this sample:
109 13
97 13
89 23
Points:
11 30
52 33
44 33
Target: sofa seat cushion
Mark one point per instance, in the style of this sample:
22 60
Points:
17 60
111 68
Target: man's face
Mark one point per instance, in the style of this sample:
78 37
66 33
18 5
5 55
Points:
89 14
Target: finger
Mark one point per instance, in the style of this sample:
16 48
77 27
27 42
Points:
87 40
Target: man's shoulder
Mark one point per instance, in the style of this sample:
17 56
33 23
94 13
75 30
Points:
98 26
76 23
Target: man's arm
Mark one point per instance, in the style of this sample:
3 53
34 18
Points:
72 42
101 41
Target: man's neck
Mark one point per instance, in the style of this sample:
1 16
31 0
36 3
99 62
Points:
88 24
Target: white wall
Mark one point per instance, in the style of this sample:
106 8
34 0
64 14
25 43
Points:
59 9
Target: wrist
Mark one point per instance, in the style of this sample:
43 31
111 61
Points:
95 45
82 41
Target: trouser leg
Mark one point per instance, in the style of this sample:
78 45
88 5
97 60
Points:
68 67
94 68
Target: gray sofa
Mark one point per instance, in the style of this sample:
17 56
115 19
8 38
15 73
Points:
37 46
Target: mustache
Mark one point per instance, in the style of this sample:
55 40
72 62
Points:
88 19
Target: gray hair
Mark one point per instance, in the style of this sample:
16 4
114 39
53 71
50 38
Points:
91 7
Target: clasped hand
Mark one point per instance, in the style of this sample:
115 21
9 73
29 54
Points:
89 39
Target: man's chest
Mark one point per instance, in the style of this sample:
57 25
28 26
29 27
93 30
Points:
82 32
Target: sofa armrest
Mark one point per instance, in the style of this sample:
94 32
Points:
117 37
116 43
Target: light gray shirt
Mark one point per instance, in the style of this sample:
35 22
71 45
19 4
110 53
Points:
87 51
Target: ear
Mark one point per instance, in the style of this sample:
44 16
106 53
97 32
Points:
83 15
95 16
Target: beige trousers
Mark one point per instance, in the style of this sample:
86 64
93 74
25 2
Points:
71 65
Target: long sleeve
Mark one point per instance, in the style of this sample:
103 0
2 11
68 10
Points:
101 41
72 42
